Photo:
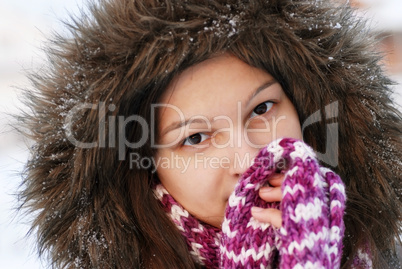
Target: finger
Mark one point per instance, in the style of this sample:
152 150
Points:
269 215
276 180
271 194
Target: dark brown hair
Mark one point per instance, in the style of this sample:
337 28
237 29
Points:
92 210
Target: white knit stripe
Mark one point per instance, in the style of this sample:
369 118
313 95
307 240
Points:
339 187
177 212
318 180
196 251
293 190
324 170
333 250
336 238
249 186
309 211
308 265
255 224
217 239
234 201
196 247
276 150
246 253
181 229
278 156
301 147
160 191
335 203
308 242
335 234
263 267
324 182
299 155
274 145
302 151
226 229
290 172
258 186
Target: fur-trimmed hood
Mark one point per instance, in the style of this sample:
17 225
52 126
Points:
124 53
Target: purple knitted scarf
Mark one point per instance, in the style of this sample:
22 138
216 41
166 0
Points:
313 202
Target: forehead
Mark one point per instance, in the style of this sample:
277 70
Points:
214 85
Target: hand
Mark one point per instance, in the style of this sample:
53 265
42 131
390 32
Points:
270 193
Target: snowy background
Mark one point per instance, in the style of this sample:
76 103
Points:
24 25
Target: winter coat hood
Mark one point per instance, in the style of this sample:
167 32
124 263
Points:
123 54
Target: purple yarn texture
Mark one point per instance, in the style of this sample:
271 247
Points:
312 206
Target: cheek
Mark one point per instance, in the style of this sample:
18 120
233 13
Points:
198 189
289 126
191 185
284 124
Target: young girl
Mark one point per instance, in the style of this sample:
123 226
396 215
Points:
150 114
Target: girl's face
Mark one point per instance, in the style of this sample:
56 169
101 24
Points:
213 120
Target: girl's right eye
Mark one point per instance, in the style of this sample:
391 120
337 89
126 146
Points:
195 139
262 108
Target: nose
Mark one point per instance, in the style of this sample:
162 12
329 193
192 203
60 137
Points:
242 155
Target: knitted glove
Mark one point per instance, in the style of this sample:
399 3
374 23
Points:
312 207
313 201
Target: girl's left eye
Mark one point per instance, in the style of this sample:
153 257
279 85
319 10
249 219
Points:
195 139
262 108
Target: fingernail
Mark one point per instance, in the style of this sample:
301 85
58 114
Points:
266 189
255 209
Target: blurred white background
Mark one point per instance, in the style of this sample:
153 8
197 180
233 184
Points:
24 26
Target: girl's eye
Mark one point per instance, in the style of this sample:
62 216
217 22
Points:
261 109
195 139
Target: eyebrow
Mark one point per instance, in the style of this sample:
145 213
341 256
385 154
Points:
259 89
178 124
